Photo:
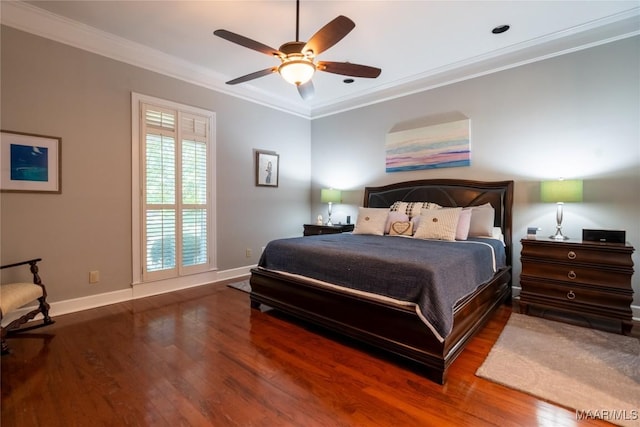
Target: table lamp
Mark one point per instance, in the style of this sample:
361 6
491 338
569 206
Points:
331 196
561 192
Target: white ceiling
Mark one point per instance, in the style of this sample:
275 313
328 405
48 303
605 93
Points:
417 44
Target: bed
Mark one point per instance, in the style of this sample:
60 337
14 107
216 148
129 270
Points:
386 321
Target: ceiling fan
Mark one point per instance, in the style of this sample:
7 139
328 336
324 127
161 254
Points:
297 64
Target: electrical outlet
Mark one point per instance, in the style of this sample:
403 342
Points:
248 253
94 276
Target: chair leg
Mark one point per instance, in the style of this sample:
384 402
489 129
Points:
14 327
44 308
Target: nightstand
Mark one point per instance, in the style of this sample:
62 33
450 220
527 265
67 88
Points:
314 229
586 283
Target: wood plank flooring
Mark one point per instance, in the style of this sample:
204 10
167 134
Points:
203 357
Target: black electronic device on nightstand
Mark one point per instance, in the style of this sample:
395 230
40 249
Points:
604 236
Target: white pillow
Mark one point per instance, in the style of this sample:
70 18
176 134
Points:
371 221
482 218
394 217
464 223
497 234
440 224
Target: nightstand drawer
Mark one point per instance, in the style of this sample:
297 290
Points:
578 253
316 229
547 293
576 274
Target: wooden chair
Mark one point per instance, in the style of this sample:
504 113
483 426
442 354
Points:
16 295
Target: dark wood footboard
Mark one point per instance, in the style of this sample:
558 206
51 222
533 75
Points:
392 328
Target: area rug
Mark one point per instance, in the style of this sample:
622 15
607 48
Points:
593 372
243 286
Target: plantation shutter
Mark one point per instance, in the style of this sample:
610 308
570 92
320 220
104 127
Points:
175 193
194 190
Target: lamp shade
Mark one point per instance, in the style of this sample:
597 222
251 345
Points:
563 191
297 71
329 195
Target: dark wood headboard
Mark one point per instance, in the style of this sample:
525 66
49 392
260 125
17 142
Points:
450 193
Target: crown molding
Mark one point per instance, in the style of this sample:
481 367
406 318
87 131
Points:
31 19
611 29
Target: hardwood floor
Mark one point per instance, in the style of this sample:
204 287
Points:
202 357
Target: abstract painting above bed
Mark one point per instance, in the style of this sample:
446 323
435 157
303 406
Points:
442 145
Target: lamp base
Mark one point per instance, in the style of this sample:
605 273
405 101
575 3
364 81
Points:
559 235
329 223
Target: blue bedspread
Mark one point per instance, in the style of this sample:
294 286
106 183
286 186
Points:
432 274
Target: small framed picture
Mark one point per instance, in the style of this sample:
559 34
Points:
29 163
267 168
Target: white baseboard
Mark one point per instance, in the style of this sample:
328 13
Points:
155 288
142 290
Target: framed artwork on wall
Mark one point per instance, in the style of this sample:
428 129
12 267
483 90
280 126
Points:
267 168
30 163
441 145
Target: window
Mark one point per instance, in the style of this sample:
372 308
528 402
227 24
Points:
173 152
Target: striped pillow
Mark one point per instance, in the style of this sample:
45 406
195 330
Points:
412 209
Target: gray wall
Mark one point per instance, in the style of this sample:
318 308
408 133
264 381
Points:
53 89
574 116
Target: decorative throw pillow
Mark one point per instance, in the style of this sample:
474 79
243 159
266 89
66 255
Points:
371 221
395 207
482 220
413 209
394 217
464 222
401 228
440 224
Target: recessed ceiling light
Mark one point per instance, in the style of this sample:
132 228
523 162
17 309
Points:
500 29
348 81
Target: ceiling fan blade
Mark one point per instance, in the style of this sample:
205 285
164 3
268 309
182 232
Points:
329 35
247 42
306 90
349 69
252 76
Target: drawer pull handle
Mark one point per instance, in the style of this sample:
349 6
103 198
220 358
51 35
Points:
571 255
572 275
571 295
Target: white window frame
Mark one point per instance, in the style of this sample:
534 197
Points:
137 201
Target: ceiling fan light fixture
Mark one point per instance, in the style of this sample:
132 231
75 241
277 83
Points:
297 71
297 57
